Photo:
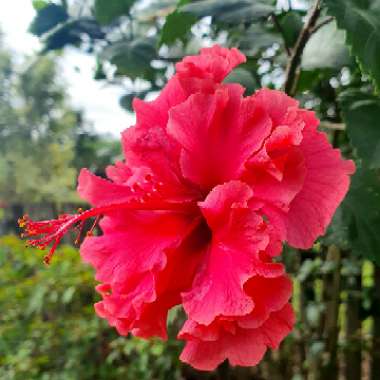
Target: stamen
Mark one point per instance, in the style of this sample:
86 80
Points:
46 232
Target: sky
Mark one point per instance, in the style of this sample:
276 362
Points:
99 101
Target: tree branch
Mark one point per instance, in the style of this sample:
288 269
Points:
322 23
291 77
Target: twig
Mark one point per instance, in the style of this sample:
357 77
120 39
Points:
333 126
281 30
322 23
295 59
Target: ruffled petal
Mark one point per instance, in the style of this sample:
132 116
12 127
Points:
237 237
134 262
298 176
217 133
243 347
203 72
326 184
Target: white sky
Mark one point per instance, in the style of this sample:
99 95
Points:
100 102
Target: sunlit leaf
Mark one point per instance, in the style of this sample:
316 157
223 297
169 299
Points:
326 49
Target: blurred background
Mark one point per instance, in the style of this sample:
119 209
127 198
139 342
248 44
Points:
69 70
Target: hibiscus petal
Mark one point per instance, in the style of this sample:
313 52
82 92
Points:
218 133
203 72
218 287
99 191
325 185
135 265
246 347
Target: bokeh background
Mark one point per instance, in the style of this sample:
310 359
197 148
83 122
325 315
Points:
69 70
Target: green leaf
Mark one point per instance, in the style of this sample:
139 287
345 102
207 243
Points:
326 49
47 18
70 33
363 201
126 101
106 11
361 21
177 26
256 38
132 58
356 224
243 77
291 24
230 11
361 113
39 4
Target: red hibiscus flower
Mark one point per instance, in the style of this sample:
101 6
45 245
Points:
211 186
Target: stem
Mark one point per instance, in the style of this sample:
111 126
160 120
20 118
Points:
295 59
375 352
322 23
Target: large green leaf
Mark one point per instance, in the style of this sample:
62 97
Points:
243 77
177 26
106 11
356 224
291 24
362 211
70 33
47 18
230 11
132 58
362 114
326 49
361 21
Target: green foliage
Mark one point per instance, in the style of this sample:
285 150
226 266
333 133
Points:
49 330
361 21
361 113
177 26
291 24
132 58
106 11
321 55
230 11
37 135
48 16
356 225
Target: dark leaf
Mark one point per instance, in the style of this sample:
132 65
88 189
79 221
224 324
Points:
177 26
291 25
132 58
106 11
243 77
356 224
47 18
361 22
71 33
230 11
361 113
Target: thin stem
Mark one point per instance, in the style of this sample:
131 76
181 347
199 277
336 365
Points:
295 59
322 23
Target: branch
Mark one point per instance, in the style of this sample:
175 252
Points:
322 23
295 59
332 126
